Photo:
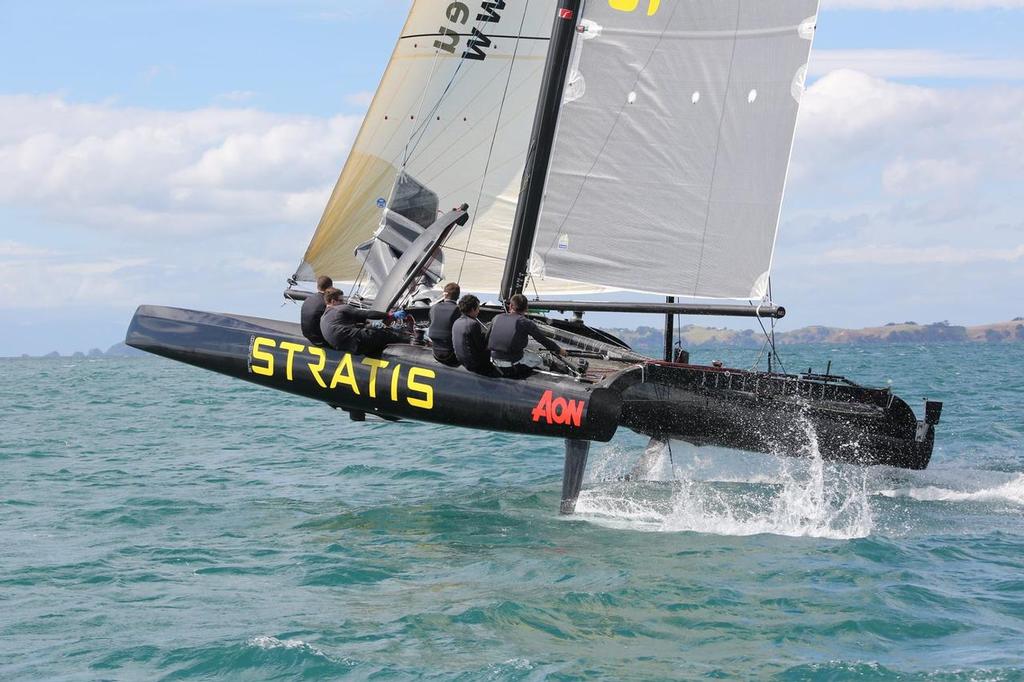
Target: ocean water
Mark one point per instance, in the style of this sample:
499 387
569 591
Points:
161 522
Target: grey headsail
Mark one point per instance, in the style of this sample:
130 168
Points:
668 170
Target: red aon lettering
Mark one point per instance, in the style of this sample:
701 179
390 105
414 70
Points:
558 410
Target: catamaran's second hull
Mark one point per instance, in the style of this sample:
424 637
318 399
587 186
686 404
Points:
779 414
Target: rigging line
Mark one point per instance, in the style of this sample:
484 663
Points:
760 354
490 150
769 338
357 286
454 119
679 331
775 350
718 140
475 253
423 97
421 128
398 88
615 124
533 283
471 148
424 124
517 157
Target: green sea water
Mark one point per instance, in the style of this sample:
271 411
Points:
161 522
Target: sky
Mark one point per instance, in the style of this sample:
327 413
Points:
181 152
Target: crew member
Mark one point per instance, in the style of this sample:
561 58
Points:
442 317
344 326
508 339
469 338
313 309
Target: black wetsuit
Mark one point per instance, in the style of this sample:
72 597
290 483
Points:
442 317
342 327
312 310
509 335
469 338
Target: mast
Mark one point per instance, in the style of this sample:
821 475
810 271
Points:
669 331
531 193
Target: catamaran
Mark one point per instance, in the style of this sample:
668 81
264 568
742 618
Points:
588 146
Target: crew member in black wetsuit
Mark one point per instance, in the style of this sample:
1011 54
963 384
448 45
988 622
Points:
313 309
508 339
344 326
442 317
469 338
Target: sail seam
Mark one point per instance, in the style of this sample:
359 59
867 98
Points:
718 144
463 35
429 179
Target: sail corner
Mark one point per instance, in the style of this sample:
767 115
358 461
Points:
799 83
807 27
304 273
759 291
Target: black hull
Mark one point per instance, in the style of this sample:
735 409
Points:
759 412
404 383
780 414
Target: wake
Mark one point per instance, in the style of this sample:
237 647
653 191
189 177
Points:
803 497
1011 491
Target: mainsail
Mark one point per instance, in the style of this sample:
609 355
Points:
453 112
673 144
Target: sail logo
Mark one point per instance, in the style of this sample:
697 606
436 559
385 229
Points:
371 375
632 5
558 410
457 13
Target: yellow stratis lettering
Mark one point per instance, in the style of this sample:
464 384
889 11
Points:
631 6
419 389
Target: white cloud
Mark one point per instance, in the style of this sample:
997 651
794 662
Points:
265 266
164 171
852 124
903 203
12 249
895 5
55 280
916 64
919 176
899 255
236 96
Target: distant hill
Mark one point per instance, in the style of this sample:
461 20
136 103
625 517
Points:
649 339
118 350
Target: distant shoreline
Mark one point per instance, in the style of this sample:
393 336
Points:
695 336
650 339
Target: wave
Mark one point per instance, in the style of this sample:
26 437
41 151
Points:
267 643
1011 491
